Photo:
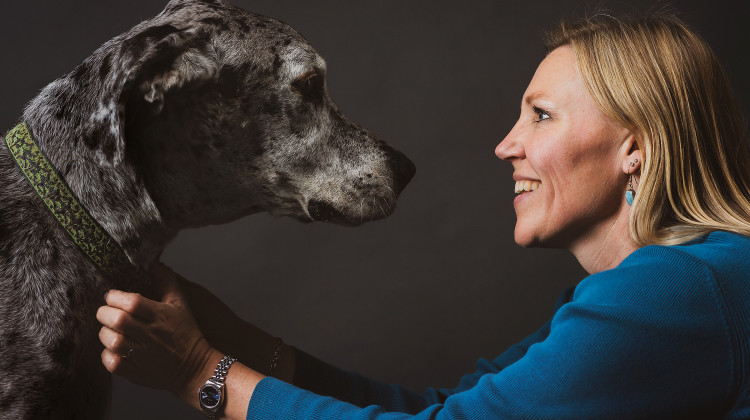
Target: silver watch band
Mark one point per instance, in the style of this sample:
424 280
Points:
214 388
220 373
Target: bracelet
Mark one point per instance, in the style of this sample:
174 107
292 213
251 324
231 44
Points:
276 357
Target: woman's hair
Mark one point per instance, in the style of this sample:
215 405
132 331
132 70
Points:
660 80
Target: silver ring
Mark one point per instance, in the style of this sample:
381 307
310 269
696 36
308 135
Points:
130 351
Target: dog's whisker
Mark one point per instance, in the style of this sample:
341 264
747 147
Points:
361 210
382 210
393 193
386 184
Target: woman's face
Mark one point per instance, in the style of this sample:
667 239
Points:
567 158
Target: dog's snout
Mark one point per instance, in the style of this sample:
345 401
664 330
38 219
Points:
403 169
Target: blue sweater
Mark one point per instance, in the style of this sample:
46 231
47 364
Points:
666 334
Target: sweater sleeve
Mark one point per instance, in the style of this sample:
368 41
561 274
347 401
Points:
645 340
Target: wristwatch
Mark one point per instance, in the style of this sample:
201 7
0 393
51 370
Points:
211 394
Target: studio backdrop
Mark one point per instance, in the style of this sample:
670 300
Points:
416 298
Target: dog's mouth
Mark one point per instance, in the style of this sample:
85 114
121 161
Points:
321 211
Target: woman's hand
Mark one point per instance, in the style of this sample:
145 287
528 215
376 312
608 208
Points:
154 344
159 345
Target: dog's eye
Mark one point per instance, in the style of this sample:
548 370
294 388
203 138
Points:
308 85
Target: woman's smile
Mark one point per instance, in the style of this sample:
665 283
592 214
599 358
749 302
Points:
524 188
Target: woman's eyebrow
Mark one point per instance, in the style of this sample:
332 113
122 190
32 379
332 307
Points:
534 96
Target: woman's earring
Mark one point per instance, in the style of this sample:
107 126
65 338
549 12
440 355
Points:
630 193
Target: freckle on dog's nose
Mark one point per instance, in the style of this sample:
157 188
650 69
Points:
403 169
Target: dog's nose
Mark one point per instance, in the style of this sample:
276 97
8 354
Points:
403 169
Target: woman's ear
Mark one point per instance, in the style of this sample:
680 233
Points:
631 155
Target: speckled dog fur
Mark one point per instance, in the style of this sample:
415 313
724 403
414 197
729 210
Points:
201 115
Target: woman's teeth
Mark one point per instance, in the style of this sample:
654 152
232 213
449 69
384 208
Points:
522 186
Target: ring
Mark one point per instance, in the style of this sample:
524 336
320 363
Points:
130 351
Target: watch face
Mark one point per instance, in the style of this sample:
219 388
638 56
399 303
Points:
210 396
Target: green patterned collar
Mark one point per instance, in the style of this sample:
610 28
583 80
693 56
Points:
90 237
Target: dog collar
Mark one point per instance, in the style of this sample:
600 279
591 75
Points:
90 237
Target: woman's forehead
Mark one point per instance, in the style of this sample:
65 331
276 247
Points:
557 80
556 75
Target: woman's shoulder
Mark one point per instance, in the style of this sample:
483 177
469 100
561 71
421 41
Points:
718 253
692 274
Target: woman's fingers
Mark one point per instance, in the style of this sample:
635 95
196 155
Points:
132 303
117 364
119 321
116 342
111 361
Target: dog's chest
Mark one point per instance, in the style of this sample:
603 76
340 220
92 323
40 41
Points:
50 292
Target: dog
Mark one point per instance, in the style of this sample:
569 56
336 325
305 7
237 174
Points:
201 115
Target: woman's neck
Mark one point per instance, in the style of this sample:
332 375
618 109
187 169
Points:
605 246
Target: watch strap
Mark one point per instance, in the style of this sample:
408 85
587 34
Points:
216 381
220 373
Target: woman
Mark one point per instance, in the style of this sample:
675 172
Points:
629 152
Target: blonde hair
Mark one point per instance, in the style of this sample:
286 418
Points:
659 79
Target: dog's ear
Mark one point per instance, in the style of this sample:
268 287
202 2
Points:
174 3
173 66
154 61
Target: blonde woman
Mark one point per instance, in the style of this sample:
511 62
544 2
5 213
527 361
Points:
629 152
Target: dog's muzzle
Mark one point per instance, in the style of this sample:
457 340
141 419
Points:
402 171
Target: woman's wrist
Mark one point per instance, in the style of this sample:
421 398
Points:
203 363
239 385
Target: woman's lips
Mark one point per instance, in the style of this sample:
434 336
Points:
525 188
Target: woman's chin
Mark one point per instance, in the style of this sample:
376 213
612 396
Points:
529 238
523 238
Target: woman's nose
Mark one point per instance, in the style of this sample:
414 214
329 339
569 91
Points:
511 147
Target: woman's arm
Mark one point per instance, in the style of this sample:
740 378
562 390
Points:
229 334
629 344
224 333
647 340
149 322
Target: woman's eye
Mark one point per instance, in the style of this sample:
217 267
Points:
541 114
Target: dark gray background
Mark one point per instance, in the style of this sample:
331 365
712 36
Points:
416 298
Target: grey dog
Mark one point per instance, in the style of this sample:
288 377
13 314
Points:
200 115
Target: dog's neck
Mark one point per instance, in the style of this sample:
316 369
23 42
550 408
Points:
115 196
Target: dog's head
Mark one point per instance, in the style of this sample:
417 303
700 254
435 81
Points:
225 113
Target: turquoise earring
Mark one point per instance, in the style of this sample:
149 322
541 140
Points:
629 196
630 193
